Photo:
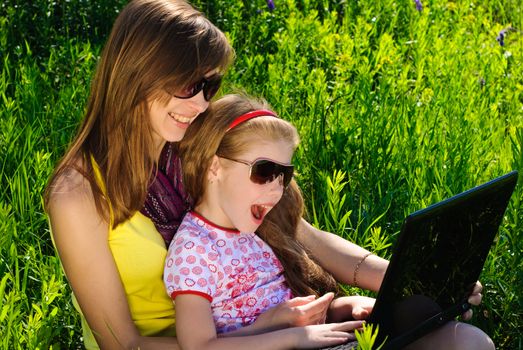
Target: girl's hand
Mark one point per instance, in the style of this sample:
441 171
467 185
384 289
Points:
195 329
474 299
314 336
352 307
296 312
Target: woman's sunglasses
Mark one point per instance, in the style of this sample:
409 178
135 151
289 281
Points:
210 87
263 171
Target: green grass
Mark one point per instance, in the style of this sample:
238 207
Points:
396 108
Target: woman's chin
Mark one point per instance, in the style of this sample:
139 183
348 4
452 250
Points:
174 136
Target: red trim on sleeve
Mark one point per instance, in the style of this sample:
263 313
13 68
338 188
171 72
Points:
193 292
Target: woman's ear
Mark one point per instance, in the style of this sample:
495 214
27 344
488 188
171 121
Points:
214 168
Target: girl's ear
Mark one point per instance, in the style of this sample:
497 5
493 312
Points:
213 169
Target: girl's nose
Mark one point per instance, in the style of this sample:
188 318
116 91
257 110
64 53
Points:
280 179
277 183
275 188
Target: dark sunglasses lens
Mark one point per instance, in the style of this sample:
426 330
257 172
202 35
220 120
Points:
288 173
211 87
191 90
265 171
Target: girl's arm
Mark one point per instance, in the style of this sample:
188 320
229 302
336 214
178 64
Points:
296 312
81 238
340 257
196 330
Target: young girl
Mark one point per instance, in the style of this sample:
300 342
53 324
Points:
235 254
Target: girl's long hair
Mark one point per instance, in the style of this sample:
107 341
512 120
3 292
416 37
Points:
155 47
208 136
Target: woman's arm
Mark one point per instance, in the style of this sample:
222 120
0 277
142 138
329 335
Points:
196 330
340 257
81 238
350 307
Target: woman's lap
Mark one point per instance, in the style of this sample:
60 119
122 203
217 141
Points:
454 335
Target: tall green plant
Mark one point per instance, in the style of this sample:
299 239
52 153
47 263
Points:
397 109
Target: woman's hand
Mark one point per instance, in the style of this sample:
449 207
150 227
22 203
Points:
474 299
351 307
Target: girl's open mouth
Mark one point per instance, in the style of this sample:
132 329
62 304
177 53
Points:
259 211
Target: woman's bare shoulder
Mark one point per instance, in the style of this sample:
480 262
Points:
70 190
70 184
71 205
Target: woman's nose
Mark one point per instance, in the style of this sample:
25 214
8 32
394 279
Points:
200 103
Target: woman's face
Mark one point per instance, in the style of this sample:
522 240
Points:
170 121
241 203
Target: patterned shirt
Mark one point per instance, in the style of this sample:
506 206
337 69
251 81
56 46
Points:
237 272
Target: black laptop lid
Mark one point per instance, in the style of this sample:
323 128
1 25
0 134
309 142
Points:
438 257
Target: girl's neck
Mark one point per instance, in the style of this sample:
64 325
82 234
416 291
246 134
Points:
212 213
196 213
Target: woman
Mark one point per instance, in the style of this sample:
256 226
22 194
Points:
159 69
112 255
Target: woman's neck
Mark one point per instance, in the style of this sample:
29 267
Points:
159 145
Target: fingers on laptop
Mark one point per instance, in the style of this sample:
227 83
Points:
476 296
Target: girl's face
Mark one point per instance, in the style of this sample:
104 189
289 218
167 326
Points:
239 203
170 121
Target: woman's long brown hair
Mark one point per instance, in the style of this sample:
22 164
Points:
155 47
303 275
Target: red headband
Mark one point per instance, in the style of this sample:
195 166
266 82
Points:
249 115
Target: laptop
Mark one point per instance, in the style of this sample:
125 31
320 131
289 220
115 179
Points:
438 257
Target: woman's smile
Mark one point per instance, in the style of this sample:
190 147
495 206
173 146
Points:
181 121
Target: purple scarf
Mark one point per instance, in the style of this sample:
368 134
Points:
167 202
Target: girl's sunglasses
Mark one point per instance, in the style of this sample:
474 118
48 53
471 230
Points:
209 86
263 171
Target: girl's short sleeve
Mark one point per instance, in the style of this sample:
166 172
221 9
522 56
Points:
188 269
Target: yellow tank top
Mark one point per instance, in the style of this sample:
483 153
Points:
139 252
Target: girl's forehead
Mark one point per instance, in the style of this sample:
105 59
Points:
279 150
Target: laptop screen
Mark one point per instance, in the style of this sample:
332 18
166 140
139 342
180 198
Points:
437 260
